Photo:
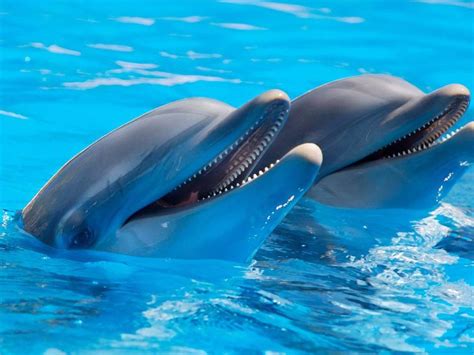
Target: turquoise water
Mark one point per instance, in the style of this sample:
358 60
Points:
327 279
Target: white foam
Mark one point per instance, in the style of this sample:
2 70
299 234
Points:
144 21
238 26
111 47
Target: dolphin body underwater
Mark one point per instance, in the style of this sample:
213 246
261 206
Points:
171 184
382 141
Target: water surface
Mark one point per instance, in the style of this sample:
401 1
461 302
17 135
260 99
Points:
327 279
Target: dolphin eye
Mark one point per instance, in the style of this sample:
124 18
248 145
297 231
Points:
82 240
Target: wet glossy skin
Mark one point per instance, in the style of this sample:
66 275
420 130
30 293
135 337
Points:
101 187
351 119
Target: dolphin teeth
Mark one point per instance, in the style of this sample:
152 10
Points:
437 126
244 161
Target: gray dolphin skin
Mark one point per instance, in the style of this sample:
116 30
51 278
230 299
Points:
160 167
382 141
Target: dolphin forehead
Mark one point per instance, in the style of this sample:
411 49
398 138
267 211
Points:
342 101
374 85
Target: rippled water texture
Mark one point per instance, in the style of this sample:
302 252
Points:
327 279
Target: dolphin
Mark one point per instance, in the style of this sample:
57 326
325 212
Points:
384 141
174 183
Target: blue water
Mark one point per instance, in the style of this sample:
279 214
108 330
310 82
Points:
327 280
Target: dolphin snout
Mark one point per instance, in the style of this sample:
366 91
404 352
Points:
308 152
271 96
451 91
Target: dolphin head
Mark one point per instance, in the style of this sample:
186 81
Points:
366 119
170 156
352 118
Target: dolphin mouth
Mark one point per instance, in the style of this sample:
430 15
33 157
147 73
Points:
248 149
230 168
425 136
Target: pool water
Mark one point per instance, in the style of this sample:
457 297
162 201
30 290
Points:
327 280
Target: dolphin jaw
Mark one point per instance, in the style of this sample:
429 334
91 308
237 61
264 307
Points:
249 161
232 180
446 119
244 182
308 151
425 136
